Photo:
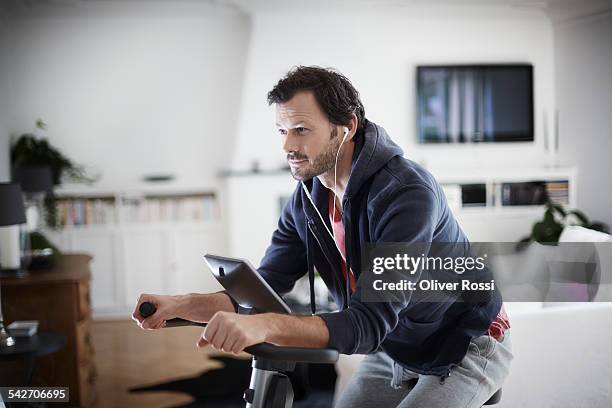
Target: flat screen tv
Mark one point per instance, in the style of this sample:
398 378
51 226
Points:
475 103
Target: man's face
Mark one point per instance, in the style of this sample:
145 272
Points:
310 141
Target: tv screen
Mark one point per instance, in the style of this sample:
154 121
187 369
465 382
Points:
475 103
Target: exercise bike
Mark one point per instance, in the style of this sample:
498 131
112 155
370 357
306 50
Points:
269 386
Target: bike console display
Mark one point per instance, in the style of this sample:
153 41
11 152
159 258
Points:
244 284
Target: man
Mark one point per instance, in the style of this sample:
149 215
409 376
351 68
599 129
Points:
356 188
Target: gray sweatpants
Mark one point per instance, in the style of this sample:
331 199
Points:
381 382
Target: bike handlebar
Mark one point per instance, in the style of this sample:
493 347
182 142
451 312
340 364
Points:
262 350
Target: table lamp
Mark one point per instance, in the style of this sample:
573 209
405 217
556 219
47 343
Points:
12 214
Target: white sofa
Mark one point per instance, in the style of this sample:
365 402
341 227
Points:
563 357
563 352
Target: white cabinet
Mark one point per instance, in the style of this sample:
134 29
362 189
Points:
486 225
146 262
150 258
190 246
101 244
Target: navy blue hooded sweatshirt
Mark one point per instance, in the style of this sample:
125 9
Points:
388 199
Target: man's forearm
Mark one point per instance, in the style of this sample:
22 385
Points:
200 307
295 331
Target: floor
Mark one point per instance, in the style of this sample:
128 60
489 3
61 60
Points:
127 356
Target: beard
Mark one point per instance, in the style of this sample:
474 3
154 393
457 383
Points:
321 164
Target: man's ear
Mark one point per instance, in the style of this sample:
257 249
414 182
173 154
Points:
351 126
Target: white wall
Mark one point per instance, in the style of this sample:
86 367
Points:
129 88
583 60
378 49
254 195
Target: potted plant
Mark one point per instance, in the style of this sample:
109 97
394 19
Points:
30 150
548 230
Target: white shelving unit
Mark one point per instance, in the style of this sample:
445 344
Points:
495 222
133 256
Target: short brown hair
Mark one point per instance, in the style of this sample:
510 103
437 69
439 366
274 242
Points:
334 93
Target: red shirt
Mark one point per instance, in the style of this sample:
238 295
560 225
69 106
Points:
338 230
497 328
499 325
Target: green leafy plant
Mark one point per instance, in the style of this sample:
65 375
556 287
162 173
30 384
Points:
29 149
548 230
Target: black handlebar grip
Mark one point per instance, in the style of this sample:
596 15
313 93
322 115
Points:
147 309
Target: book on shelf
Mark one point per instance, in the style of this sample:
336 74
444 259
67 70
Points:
535 193
86 211
95 211
558 191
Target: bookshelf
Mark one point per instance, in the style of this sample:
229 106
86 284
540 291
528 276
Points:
98 207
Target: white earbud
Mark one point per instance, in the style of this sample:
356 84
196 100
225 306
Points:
346 132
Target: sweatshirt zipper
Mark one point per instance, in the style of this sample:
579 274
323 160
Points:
314 230
311 222
347 250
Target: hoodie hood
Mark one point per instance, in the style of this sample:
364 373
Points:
373 149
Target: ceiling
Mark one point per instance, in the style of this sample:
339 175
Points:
557 10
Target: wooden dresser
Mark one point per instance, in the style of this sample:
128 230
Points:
59 299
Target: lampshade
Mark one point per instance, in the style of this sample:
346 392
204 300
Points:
12 211
33 179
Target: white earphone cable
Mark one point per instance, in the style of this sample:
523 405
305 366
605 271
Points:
335 180
331 234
